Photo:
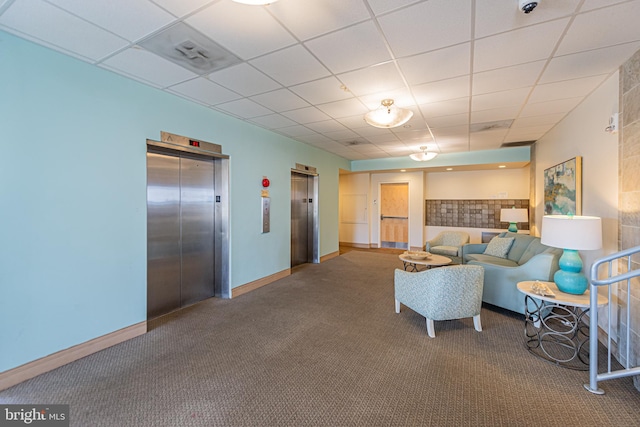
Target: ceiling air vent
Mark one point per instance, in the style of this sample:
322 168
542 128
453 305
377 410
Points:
482 127
353 142
190 49
517 144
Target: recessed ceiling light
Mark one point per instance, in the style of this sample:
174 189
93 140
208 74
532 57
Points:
403 170
502 166
449 169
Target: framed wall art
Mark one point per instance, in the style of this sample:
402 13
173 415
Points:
563 188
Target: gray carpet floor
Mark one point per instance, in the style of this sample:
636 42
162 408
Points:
324 347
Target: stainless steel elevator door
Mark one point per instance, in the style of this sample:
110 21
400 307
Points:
180 231
301 219
163 234
196 202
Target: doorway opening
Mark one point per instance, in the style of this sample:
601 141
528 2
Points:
305 242
394 215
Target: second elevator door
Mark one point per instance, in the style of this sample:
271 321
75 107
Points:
301 219
180 227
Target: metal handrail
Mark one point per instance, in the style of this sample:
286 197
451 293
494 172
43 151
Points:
611 279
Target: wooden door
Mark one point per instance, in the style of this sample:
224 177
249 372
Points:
394 215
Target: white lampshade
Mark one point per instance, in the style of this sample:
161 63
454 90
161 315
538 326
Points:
514 215
572 232
388 115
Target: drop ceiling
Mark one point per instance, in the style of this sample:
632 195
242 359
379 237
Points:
477 74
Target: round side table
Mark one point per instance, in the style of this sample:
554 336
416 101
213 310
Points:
554 326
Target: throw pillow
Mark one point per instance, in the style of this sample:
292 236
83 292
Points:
499 246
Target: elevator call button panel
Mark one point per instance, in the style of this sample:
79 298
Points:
266 214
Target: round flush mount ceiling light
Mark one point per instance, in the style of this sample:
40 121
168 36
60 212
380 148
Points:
388 115
424 156
256 2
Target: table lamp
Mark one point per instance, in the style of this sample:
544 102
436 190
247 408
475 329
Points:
571 233
513 216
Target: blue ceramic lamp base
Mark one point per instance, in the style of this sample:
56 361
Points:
513 227
569 278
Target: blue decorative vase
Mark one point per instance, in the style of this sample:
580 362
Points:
569 278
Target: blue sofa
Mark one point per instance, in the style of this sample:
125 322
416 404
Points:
527 259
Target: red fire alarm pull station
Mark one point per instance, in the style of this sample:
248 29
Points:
265 182
194 143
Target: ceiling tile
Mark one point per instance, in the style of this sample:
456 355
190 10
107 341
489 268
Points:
344 108
280 100
130 19
351 48
448 121
244 79
307 19
291 66
150 67
597 4
295 131
518 76
493 17
61 29
306 115
341 135
565 89
181 8
494 114
550 107
204 91
247 31
548 119
506 98
356 122
437 65
273 121
518 46
587 31
445 108
442 90
414 30
322 91
326 126
244 108
375 79
590 63
382 6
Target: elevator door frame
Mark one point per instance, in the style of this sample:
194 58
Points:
313 252
220 205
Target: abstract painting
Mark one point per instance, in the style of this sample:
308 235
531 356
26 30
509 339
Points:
563 188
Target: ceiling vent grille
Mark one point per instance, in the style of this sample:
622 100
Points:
486 126
190 49
517 144
354 142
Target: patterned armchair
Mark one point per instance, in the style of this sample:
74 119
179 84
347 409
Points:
443 293
449 244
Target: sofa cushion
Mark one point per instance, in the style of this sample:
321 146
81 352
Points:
534 248
520 245
445 250
480 259
499 246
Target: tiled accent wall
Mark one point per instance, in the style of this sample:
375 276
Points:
472 213
629 201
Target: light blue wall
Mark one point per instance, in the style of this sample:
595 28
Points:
73 197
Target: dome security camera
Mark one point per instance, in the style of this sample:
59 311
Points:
527 5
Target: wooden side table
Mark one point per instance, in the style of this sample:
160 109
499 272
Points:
555 328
